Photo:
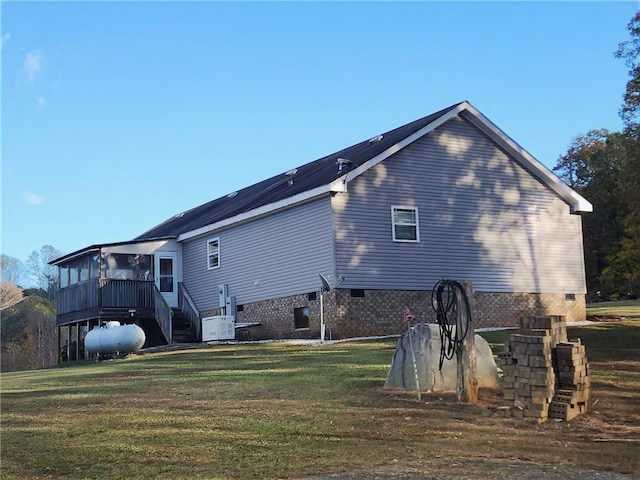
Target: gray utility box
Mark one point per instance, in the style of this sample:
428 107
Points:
220 327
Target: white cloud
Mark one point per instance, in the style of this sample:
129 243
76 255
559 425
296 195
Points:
31 198
42 102
5 38
32 64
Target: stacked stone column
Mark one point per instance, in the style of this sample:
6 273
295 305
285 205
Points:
573 393
544 375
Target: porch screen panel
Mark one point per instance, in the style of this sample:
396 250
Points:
63 276
83 269
94 267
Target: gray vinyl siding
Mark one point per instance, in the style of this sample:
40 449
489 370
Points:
482 217
274 256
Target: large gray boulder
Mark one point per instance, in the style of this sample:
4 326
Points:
426 346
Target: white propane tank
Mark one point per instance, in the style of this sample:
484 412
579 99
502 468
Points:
115 338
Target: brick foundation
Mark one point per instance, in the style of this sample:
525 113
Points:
505 309
276 317
379 312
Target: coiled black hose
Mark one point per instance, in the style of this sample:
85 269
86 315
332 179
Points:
445 301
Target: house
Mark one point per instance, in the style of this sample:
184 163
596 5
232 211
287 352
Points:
448 196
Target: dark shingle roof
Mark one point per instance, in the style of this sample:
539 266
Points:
311 175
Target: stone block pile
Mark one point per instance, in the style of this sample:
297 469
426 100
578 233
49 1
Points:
573 392
544 375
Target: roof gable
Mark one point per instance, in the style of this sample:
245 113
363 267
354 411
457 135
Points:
333 172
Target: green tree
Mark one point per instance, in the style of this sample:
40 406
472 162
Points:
628 51
594 166
28 335
605 168
589 158
625 264
630 113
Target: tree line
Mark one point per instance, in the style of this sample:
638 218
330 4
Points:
604 167
28 333
35 272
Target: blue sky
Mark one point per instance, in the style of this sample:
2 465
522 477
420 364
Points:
118 115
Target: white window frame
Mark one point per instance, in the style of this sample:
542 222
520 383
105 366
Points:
394 224
213 254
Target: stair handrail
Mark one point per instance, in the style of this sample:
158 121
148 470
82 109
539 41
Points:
189 309
163 314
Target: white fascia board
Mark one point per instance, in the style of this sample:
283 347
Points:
73 255
257 212
403 143
105 247
578 203
339 185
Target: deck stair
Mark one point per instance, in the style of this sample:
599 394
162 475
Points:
182 331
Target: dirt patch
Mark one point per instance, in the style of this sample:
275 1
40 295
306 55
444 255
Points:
447 440
477 469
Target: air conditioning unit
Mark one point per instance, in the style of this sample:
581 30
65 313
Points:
219 327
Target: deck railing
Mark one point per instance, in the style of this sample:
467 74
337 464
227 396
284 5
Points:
105 293
77 297
188 308
126 293
163 314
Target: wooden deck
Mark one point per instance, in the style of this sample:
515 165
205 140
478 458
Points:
104 298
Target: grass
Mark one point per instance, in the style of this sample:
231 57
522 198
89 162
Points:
237 411
287 411
625 308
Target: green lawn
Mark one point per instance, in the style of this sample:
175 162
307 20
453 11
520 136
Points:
285 411
625 308
629 309
233 411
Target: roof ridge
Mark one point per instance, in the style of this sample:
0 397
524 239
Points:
305 177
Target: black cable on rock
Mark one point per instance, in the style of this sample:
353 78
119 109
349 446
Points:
445 301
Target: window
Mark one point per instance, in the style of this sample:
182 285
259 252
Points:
357 293
405 224
301 317
213 253
166 275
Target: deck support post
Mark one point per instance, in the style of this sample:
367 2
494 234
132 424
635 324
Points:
68 343
77 341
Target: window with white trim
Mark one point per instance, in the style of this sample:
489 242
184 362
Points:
213 253
405 224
